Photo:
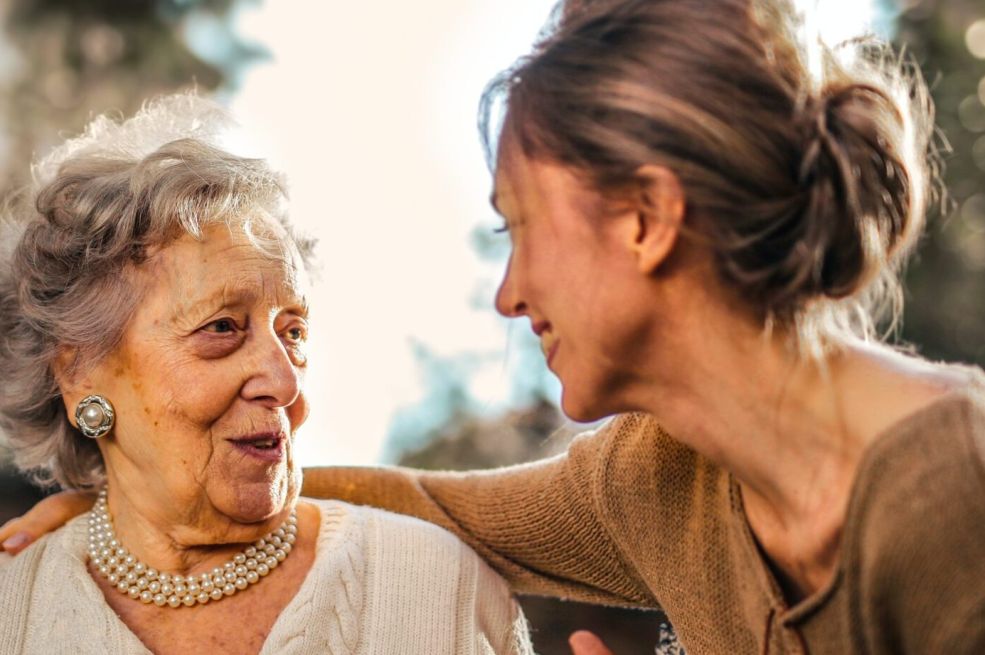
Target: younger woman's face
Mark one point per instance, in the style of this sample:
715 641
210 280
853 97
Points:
573 274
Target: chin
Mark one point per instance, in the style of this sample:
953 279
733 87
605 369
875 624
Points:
256 502
578 410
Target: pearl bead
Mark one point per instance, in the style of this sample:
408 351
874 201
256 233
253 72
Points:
93 415
141 582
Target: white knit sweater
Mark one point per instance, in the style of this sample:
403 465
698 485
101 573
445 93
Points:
380 583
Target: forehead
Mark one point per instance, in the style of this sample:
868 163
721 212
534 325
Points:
243 261
527 186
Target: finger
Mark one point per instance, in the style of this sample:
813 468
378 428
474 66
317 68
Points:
48 515
13 538
584 642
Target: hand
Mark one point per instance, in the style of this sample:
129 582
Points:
48 515
584 642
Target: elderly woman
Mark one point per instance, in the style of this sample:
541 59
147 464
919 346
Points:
153 328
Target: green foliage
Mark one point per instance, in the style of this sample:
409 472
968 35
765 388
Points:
945 315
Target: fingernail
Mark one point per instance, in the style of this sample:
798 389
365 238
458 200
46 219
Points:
17 542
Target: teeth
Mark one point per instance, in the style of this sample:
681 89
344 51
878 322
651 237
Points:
268 443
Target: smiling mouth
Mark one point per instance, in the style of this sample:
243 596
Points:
267 446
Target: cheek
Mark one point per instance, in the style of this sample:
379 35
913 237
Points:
297 413
187 392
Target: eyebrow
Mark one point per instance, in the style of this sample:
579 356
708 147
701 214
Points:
229 298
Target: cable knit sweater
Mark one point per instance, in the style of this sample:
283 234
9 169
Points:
380 583
630 516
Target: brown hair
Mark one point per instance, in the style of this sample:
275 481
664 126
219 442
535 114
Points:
102 204
807 177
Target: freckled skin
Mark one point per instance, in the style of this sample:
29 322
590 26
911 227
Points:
215 351
203 388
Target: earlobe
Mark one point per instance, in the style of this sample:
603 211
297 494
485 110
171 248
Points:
659 217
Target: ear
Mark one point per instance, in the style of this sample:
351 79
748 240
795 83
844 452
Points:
68 376
660 209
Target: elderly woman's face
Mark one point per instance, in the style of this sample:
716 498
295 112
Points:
207 381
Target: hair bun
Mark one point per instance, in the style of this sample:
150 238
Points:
856 176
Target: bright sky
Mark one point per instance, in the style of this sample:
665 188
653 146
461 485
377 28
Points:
371 110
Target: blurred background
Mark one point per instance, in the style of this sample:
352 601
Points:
370 110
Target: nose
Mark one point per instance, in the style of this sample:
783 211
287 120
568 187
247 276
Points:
273 378
508 301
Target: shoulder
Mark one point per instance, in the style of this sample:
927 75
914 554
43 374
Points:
919 514
420 575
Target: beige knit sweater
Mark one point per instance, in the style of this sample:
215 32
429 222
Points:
381 583
629 516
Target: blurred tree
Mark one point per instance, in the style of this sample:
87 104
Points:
945 311
64 61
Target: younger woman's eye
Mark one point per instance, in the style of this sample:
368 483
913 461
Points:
501 229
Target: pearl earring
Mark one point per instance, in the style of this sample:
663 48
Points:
95 416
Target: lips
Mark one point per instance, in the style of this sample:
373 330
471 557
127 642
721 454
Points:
265 446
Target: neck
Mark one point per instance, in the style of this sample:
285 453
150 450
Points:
792 430
192 543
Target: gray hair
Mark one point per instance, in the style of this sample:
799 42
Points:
99 205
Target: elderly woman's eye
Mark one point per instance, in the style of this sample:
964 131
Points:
221 326
297 334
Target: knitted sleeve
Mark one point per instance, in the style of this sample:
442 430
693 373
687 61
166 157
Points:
539 525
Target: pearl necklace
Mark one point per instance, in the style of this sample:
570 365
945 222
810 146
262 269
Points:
144 583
